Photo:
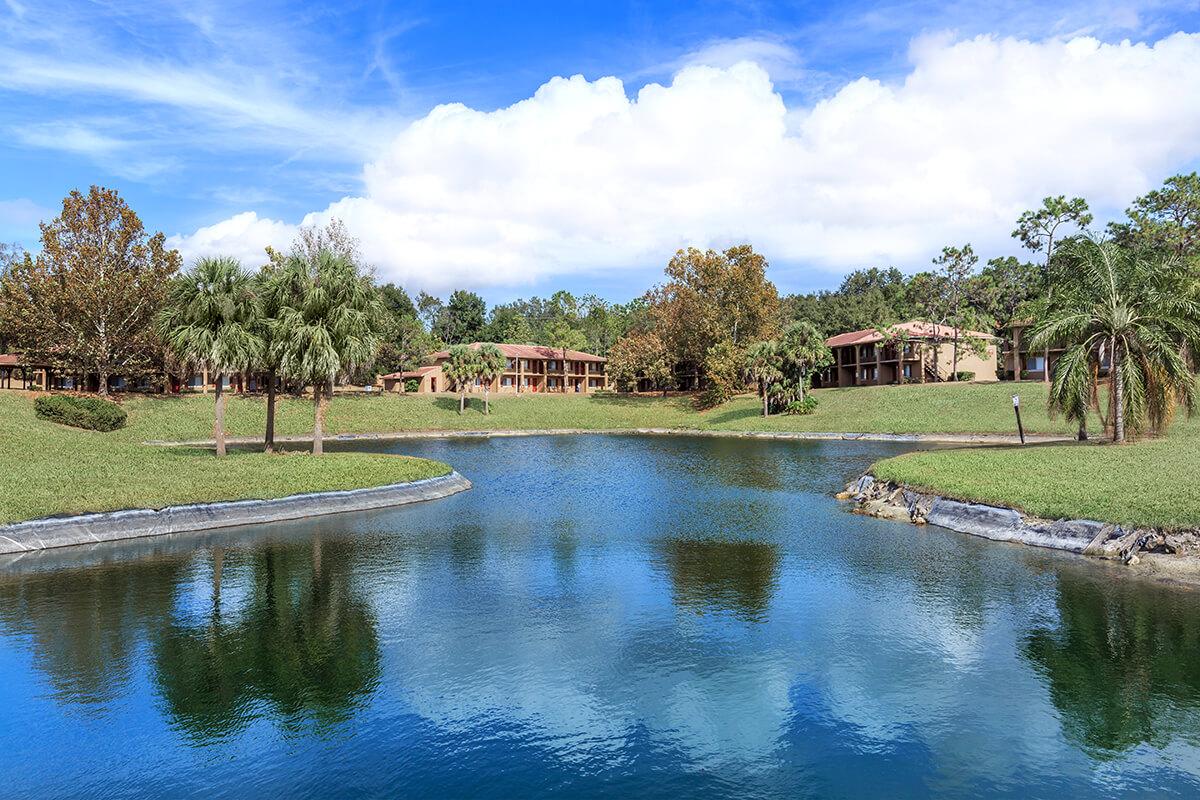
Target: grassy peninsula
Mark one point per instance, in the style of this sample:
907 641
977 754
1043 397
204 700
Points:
51 469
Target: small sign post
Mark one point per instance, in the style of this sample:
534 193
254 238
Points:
1017 408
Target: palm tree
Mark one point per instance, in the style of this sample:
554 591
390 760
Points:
278 287
462 367
804 350
763 367
327 327
491 364
1140 315
210 323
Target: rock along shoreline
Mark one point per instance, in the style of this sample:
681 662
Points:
109 526
1169 554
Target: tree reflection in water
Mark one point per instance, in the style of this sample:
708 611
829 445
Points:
85 637
304 645
734 575
1123 663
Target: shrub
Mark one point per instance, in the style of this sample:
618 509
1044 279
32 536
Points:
965 376
90 413
806 406
412 385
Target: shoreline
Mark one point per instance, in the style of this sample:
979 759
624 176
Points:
932 438
108 526
1160 554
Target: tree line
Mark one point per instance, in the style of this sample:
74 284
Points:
1120 302
93 300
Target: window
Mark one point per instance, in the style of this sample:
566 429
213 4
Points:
908 370
506 382
1035 363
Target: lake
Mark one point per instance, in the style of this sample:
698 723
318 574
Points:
600 615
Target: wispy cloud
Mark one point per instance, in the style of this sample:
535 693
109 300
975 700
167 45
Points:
126 158
229 86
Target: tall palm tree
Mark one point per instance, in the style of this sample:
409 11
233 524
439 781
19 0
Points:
1141 316
278 288
491 365
328 326
803 349
763 367
209 323
462 367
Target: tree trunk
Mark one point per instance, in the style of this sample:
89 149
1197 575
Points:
218 555
219 419
954 359
564 369
102 389
1083 434
766 408
803 377
1118 398
462 399
269 441
487 408
322 404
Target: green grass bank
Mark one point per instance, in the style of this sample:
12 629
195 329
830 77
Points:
944 408
50 469
1149 482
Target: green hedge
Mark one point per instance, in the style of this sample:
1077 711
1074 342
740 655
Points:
91 413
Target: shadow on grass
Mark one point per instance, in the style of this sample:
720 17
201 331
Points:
736 415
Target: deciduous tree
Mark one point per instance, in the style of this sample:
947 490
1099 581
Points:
711 298
89 300
640 354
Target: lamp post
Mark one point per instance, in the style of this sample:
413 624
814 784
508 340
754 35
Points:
1017 409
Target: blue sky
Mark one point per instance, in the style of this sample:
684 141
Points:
202 111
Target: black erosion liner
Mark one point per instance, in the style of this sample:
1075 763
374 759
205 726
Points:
1170 550
109 526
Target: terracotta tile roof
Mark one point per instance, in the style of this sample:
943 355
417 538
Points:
530 351
419 372
917 329
9 360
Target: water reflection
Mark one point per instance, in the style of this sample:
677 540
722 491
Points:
1123 664
86 624
721 575
602 617
303 644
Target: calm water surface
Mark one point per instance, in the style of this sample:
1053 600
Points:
643 617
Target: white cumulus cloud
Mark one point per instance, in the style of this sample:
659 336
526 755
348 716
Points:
581 177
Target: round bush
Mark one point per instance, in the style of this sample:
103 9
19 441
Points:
90 413
806 406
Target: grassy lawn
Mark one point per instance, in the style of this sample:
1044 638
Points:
1152 482
51 469
945 408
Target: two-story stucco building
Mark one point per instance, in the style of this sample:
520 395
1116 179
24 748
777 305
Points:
908 352
529 368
